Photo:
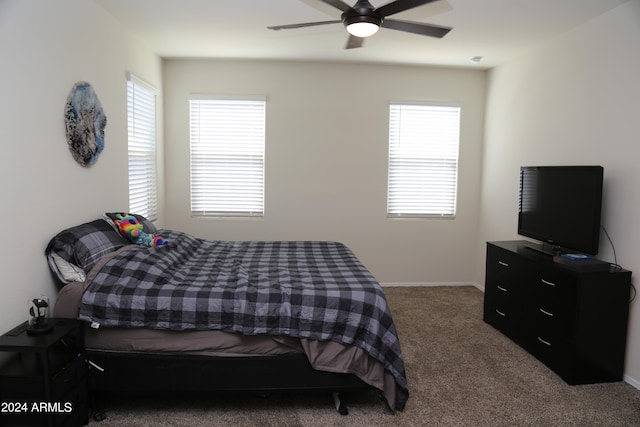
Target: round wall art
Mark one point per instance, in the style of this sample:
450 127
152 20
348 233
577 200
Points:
85 121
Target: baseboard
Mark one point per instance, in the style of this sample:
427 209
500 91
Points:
430 284
635 383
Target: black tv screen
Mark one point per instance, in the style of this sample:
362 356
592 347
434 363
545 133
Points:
560 205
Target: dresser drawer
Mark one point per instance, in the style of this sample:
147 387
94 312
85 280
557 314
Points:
503 265
502 317
554 347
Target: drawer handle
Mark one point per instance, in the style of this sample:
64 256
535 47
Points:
544 342
500 313
546 312
502 263
546 282
501 288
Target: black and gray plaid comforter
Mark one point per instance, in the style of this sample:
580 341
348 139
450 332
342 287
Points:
315 290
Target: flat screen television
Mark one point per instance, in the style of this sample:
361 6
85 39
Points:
560 206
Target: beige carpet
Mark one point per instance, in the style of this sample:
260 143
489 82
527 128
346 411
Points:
461 372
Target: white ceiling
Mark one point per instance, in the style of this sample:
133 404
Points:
496 30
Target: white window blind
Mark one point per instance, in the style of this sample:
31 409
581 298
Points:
141 109
423 160
227 156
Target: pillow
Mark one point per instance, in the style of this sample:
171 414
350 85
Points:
147 226
83 246
65 271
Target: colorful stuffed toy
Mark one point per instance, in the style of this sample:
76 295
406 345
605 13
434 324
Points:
131 228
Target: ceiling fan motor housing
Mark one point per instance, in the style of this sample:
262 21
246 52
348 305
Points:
363 11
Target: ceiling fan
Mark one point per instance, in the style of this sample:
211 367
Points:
363 20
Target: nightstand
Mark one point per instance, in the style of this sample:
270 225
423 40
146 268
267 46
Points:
43 378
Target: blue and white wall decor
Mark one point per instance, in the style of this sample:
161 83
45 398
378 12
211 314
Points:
85 121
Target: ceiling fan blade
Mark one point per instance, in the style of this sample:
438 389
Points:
337 4
305 24
400 6
416 28
354 42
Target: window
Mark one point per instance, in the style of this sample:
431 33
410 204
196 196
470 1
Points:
423 160
227 156
141 112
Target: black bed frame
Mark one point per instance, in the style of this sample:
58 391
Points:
124 372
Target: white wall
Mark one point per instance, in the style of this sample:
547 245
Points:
326 159
573 101
46 47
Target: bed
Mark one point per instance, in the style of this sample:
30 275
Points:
205 315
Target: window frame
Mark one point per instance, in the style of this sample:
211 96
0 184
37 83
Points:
243 196
142 146
424 165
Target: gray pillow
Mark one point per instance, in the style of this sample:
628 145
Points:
83 246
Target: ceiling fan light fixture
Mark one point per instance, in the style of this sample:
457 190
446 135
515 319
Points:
362 29
363 22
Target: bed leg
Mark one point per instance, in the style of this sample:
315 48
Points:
96 413
94 402
342 409
99 416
